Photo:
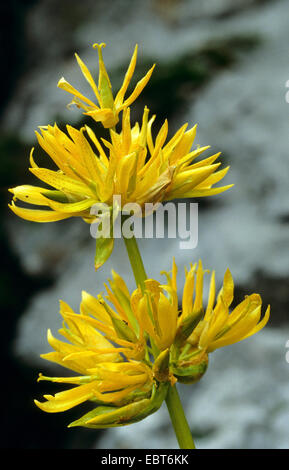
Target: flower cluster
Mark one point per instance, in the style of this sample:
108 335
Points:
133 164
130 348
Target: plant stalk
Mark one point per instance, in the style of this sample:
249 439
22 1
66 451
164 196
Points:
179 420
173 401
135 261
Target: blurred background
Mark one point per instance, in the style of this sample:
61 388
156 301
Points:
220 63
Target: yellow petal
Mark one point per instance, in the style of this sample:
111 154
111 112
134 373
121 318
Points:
88 76
149 135
200 192
64 85
261 324
227 291
188 292
191 178
71 207
184 145
63 401
85 153
128 76
212 295
35 215
120 284
206 161
167 320
92 306
213 179
172 145
185 161
30 194
96 142
138 89
106 116
60 181
57 358
174 275
124 173
198 304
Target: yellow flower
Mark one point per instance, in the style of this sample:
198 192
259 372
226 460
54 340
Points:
107 326
108 107
156 309
106 382
200 331
108 347
219 326
133 166
130 348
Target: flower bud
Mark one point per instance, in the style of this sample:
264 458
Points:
161 369
188 366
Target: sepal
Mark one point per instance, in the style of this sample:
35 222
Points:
186 327
112 416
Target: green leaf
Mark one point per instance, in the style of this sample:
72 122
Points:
104 248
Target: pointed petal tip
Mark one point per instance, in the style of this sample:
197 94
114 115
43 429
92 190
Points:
61 81
75 424
267 313
40 405
49 334
114 273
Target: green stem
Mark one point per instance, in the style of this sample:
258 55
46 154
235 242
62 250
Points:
135 261
179 420
173 401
